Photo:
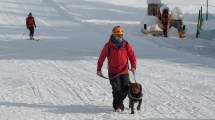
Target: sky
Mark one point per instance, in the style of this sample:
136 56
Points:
55 78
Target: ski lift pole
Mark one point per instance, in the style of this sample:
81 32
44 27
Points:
198 26
201 18
207 11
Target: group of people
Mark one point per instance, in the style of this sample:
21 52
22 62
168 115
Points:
119 52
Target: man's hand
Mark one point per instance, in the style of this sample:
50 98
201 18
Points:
99 73
133 70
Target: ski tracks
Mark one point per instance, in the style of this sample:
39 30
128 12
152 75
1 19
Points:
30 73
62 82
84 81
172 96
66 83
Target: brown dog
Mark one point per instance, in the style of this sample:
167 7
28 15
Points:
135 95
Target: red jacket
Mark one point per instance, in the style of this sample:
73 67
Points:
30 22
118 57
165 19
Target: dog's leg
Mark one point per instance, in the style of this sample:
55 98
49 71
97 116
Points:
132 107
129 103
139 104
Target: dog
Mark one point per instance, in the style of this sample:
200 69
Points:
135 95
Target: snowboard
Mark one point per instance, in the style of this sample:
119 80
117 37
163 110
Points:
35 39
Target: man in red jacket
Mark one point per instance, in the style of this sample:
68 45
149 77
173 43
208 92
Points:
30 24
117 51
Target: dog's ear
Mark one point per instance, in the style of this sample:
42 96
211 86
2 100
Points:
140 87
141 90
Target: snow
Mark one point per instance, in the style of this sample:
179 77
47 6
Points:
176 13
209 25
163 7
152 23
153 1
55 78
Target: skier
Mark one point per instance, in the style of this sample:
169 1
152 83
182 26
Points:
165 19
30 24
117 51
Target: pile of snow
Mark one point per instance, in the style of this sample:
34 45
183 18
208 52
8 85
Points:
154 28
153 1
176 13
152 23
150 20
163 7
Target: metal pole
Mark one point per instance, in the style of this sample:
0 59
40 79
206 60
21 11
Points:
197 32
207 11
201 19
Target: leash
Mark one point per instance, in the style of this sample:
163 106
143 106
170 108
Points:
116 75
134 78
112 77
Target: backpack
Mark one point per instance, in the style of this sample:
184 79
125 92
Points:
30 21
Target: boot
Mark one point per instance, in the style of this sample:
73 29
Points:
31 38
118 110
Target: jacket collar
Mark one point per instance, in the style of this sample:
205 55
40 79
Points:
112 44
115 42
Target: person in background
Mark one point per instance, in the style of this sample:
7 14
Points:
165 20
118 52
30 24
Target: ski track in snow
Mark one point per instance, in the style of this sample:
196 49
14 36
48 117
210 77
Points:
177 98
72 87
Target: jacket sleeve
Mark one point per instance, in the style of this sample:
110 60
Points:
131 56
34 22
102 57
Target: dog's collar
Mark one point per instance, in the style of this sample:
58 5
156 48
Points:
133 97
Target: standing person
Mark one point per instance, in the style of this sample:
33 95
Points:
30 24
165 20
117 51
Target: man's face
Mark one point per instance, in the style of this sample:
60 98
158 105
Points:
119 35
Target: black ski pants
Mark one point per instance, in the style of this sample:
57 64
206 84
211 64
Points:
31 29
120 89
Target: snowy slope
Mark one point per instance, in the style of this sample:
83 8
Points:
55 78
